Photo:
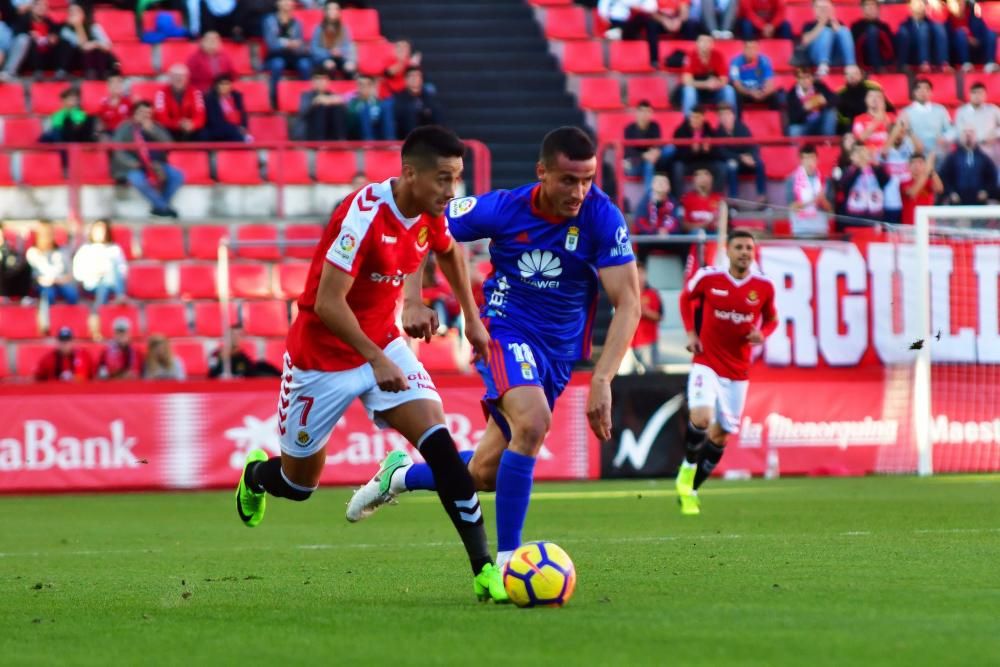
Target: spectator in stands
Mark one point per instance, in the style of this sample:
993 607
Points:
241 364
921 42
86 46
99 265
872 127
15 273
120 359
358 181
689 157
968 174
851 98
332 47
861 190
416 105
36 46
147 170
6 43
647 334
179 107
719 17
674 17
286 47
632 19
322 114
642 160
231 18
369 118
896 154
923 187
840 167
65 362
70 124
394 76
209 62
705 79
931 123
764 19
752 75
226 117
50 266
873 38
811 107
980 116
971 40
115 107
161 364
742 158
703 208
658 212
827 40
807 202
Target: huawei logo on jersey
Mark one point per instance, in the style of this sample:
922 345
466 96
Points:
733 316
536 265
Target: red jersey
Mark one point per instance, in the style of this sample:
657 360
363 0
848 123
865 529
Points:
169 111
925 197
702 69
77 366
648 330
876 140
701 210
730 309
368 238
762 12
114 113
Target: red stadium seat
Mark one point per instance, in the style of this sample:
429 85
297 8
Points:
779 51
600 94
629 56
763 123
991 81
310 233
237 167
292 279
192 354
149 18
167 319
136 58
74 317
108 313
41 168
798 15
194 166
291 167
310 18
268 128
119 24
373 55
611 125
289 94
336 167
363 23
12 99
945 88
122 235
896 88
584 57
265 318
250 280
94 168
20 132
239 55
779 161
990 13
197 280
45 96
566 23
439 355
162 242
5 176
5 370
27 356
146 280
208 317
256 98
896 15
18 321
827 156
274 352
258 233
144 90
381 164
650 88
91 94
203 240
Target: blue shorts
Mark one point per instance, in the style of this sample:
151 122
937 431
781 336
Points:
517 363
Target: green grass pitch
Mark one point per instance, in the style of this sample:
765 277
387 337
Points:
876 571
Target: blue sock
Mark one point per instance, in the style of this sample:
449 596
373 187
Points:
513 493
419 476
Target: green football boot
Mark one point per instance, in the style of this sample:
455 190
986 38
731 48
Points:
377 492
488 585
690 504
250 505
685 479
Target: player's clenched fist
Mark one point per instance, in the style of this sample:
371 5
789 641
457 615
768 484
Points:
388 375
419 321
694 343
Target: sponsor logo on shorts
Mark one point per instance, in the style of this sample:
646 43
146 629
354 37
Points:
459 207
303 438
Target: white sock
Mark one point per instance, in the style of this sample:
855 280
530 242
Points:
685 464
503 557
397 483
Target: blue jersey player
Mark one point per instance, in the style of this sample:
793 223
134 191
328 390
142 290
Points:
550 243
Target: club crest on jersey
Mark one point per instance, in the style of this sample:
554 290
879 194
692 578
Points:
303 438
752 297
526 371
459 207
572 238
422 238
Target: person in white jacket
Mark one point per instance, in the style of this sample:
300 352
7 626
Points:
99 265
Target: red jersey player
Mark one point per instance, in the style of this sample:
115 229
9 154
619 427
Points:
344 343
737 312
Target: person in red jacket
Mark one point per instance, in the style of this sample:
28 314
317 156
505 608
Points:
209 62
764 19
65 362
179 107
116 106
648 332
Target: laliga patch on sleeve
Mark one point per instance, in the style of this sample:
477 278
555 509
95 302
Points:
344 248
459 207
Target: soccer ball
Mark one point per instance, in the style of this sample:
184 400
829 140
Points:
539 574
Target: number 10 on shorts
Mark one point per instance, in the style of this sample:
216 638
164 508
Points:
525 359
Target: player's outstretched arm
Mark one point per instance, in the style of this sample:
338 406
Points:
419 321
456 272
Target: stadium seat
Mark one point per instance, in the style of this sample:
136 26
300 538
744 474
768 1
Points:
237 167
194 166
945 88
146 280
208 317
292 279
991 81
584 57
291 167
265 318
144 90
41 168
93 168
896 88
5 176
363 23
192 354
763 123
310 18
896 15
197 280
600 94
990 13
168 319
826 158
27 356
630 56
12 99
566 23
779 51
256 98
45 96
779 161
381 164
439 354
250 280
239 55
269 127
122 235
108 313
91 94
60 233
203 240
259 232
164 242
373 56
611 125
150 18
651 88
74 317
289 94
274 352
136 58
798 15
310 233
119 24
21 132
18 322
5 369
337 167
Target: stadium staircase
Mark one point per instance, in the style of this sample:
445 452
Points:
498 81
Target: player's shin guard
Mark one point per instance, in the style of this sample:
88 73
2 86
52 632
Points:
514 478
268 476
457 492
419 476
693 440
711 454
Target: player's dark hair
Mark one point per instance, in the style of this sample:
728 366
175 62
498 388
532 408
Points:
572 142
740 234
425 145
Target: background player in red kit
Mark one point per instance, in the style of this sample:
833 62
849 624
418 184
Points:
344 343
737 312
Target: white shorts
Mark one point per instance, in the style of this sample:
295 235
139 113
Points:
727 397
312 402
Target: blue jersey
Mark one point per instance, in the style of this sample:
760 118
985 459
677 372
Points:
543 287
